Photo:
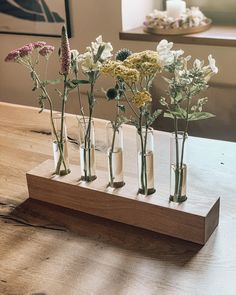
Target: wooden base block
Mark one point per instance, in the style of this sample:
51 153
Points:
193 220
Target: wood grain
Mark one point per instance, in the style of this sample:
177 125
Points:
216 36
194 220
46 249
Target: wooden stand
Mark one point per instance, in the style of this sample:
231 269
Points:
194 220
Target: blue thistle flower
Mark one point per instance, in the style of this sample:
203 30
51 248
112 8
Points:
122 54
111 94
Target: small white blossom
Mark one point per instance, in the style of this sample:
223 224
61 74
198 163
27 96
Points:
212 64
178 53
74 60
165 53
87 62
197 64
107 48
74 54
164 47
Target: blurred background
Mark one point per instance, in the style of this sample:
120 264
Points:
90 18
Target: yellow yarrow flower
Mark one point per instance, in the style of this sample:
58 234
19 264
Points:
146 62
118 70
109 67
141 98
127 74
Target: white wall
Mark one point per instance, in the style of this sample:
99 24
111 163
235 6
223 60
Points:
134 12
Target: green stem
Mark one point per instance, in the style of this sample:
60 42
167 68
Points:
145 161
176 167
110 157
51 116
179 192
142 153
80 100
62 135
130 105
87 139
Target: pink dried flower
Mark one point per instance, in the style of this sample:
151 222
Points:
46 50
12 56
39 44
65 53
26 50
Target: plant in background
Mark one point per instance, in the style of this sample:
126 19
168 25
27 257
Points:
29 56
134 75
91 62
184 104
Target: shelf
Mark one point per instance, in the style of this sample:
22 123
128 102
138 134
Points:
215 36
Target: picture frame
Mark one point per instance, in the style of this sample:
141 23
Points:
35 17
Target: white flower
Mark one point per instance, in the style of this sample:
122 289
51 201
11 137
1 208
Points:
107 48
178 53
164 47
74 54
212 64
164 51
166 55
87 62
74 60
197 64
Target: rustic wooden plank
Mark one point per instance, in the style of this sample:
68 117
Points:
91 255
216 36
193 221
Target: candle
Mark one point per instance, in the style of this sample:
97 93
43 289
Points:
175 8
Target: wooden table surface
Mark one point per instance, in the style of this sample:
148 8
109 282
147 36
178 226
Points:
48 250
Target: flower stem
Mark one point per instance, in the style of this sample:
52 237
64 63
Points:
130 105
62 135
111 151
51 118
143 159
87 138
176 167
80 100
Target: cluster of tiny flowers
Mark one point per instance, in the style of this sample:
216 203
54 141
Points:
118 70
127 74
26 50
141 98
65 53
109 67
13 55
146 62
46 50
143 56
39 44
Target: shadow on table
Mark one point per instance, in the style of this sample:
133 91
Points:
145 243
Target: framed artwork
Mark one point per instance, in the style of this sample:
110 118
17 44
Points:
34 17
